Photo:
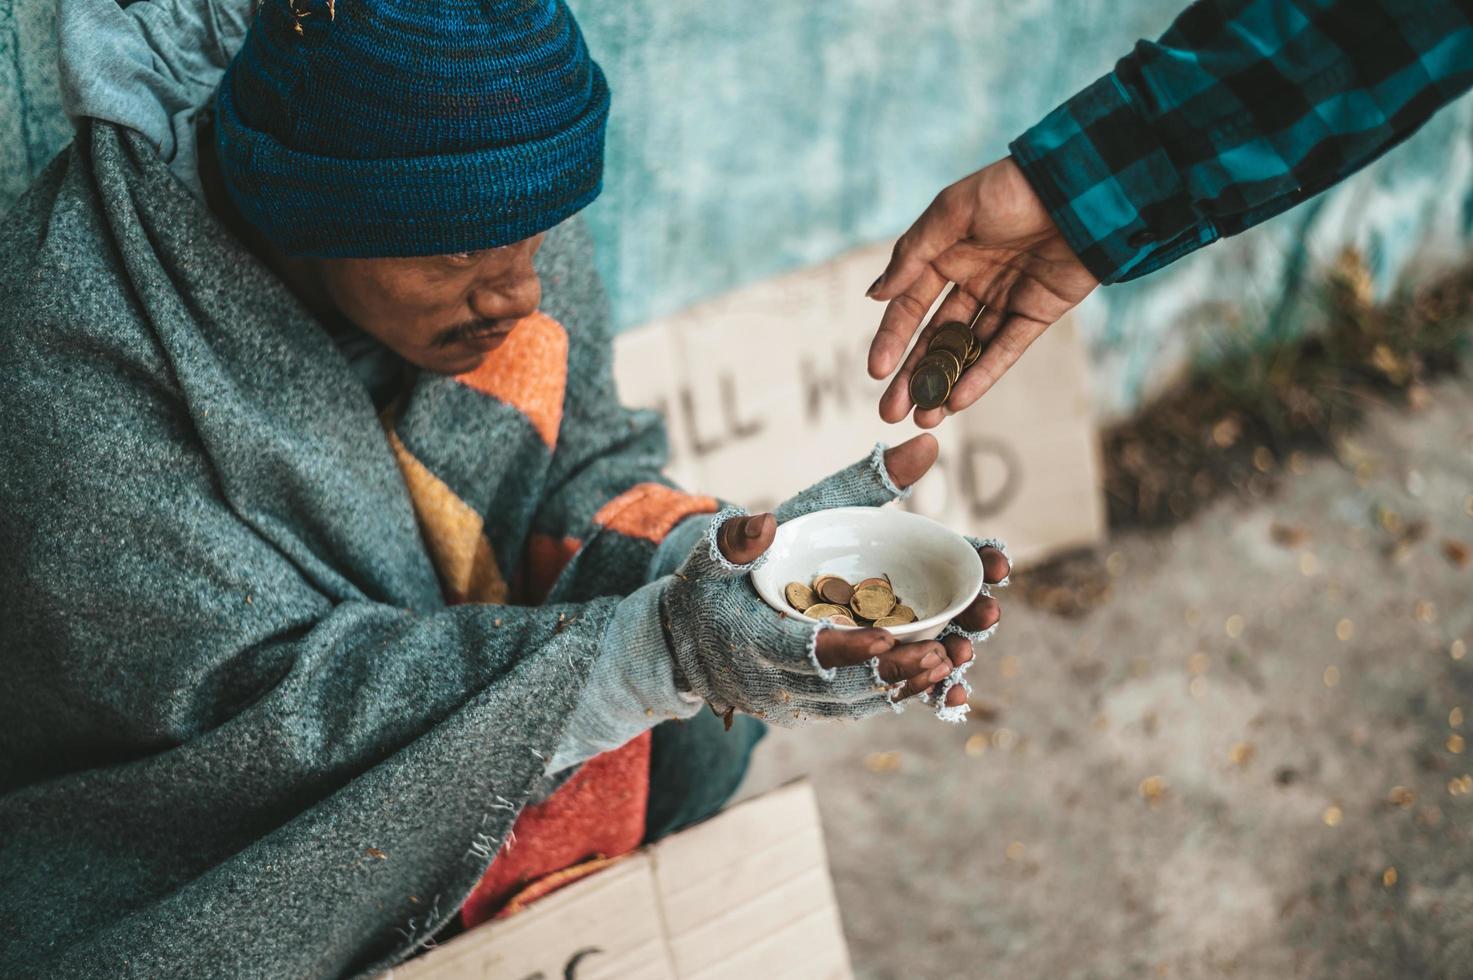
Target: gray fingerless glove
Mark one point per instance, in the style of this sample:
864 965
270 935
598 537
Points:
958 713
735 651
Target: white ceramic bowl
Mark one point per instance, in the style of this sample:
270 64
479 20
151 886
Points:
934 570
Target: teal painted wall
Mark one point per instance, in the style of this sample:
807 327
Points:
751 138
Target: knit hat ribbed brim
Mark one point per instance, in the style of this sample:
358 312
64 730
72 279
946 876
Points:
398 128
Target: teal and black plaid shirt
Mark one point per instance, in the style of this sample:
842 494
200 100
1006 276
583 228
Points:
1241 110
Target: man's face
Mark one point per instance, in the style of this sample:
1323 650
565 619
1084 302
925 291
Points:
444 313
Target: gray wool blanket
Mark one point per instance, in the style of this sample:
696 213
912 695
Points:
243 731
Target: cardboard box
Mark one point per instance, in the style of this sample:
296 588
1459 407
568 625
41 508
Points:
745 894
765 391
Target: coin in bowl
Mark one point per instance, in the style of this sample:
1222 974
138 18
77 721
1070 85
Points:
825 610
872 602
799 596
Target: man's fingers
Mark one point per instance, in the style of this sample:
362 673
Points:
983 613
845 648
895 403
908 659
929 418
926 678
901 318
999 354
939 227
958 650
909 461
995 566
918 666
863 483
743 539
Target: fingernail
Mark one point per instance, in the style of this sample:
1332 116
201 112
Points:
753 527
881 643
874 285
931 659
940 673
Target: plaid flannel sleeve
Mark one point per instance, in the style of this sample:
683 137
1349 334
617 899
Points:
1241 110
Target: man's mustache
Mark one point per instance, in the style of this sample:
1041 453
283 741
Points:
471 330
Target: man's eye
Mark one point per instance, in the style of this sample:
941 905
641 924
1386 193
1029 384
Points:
466 258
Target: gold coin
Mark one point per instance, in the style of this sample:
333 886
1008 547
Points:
843 621
891 621
825 610
953 337
903 613
943 361
947 360
883 582
834 589
799 596
819 581
873 601
929 386
973 352
953 326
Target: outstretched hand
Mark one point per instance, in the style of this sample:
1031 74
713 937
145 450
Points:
991 238
918 666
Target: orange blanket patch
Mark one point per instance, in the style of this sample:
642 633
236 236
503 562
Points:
650 510
599 814
529 372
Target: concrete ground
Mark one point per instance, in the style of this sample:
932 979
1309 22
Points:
1249 762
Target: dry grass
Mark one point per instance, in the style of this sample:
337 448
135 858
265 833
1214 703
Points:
1257 409
1235 424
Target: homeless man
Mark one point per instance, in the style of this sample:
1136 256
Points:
328 554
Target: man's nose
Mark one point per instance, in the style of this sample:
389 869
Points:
516 296
514 291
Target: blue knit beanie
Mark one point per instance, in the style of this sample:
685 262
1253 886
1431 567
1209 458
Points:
384 128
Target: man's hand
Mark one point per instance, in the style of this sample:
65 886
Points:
991 237
920 666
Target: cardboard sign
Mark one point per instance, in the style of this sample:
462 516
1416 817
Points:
745 894
765 391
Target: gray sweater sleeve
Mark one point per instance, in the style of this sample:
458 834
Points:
631 686
149 66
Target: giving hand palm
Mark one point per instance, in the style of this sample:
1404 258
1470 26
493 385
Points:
1011 270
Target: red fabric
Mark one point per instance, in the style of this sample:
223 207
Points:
547 556
596 815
